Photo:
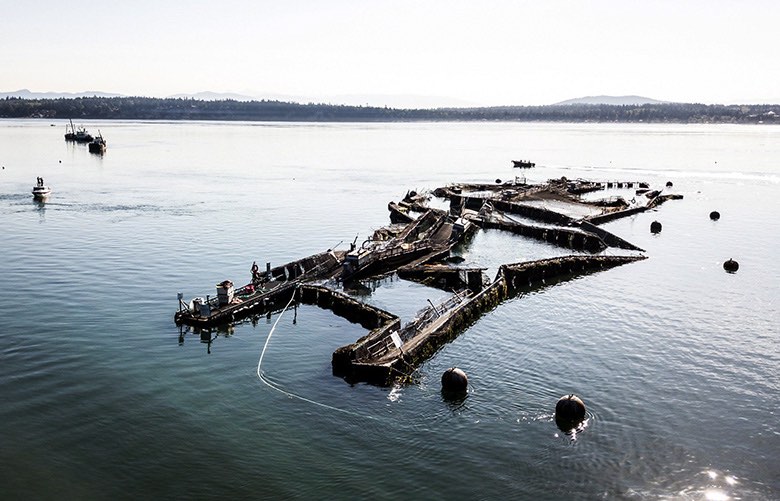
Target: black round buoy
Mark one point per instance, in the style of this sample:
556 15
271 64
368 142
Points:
669 184
731 266
454 380
655 227
498 181
714 215
569 412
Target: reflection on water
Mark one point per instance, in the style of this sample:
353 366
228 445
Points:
40 207
710 485
456 401
100 402
572 432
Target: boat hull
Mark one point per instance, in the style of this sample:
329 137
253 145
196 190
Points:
38 192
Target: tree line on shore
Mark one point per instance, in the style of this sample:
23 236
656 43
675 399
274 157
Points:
146 108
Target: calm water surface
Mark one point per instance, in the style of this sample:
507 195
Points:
104 398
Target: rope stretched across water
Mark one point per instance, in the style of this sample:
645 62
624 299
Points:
273 386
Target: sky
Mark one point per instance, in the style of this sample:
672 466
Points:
391 52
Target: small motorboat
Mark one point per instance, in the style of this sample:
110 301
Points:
525 164
40 190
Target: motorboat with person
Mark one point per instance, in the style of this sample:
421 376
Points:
40 190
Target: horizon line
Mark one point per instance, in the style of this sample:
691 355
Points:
304 101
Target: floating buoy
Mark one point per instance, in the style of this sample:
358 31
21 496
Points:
731 266
669 184
714 215
569 412
498 181
454 380
655 227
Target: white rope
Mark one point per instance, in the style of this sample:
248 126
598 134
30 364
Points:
270 384
273 328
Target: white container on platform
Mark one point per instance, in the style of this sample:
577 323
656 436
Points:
225 292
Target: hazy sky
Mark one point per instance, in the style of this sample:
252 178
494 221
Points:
484 52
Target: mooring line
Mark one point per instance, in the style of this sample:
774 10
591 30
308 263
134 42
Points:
273 385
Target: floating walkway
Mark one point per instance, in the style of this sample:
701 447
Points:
562 237
389 353
416 247
431 235
265 293
444 276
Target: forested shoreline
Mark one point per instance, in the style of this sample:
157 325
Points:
145 108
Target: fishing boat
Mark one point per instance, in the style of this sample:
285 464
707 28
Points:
79 135
98 144
523 163
82 136
40 191
70 132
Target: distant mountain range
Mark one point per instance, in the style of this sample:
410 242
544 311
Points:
27 94
612 100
